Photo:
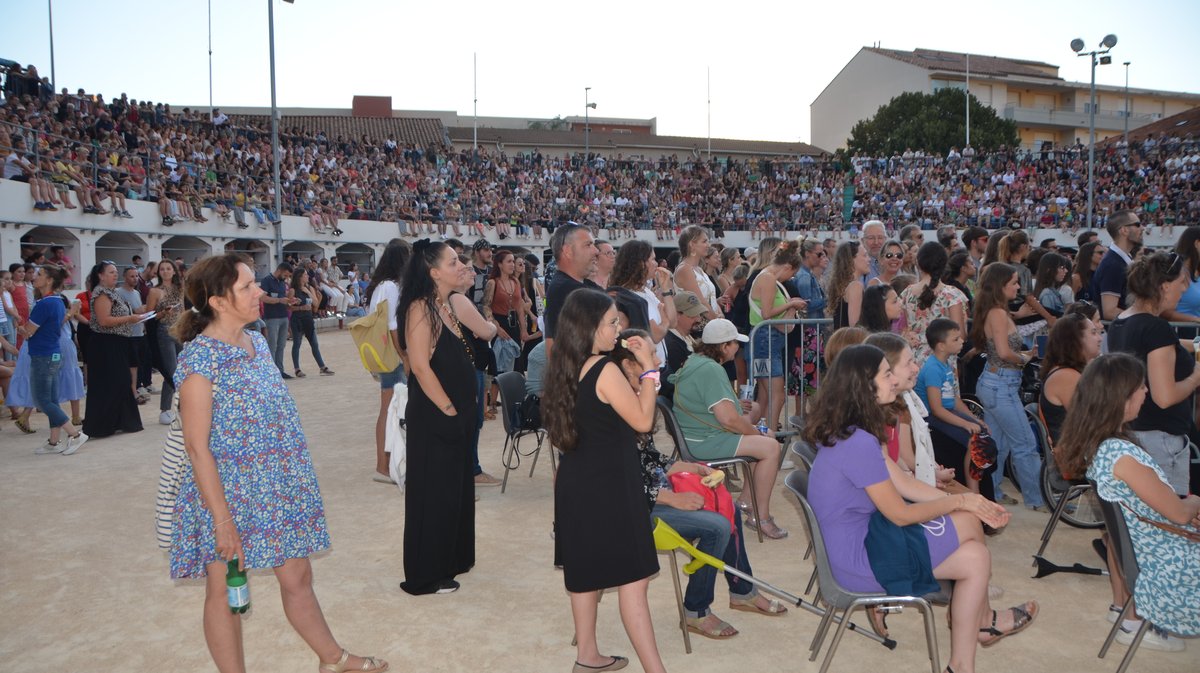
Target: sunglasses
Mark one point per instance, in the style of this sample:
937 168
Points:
1176 265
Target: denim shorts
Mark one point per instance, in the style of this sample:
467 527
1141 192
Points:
388 380
768 343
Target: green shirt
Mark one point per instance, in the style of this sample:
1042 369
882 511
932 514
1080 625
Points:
699 386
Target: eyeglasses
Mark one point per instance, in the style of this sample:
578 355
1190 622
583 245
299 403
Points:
893 255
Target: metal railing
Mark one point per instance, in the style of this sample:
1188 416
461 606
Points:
757 366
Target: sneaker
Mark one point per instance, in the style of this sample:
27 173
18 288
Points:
48 448
73 443
485 479
787 465
450 586
1155 638
166 417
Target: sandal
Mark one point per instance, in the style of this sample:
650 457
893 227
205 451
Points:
23 425
774 608
877 616
490 414
617 664
719 632
326 371
369 665
767 527
1023 616
300 374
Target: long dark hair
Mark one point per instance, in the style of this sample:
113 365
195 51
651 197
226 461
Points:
210 277
1083 264
847 398
1098 410
1064 347
1185 247
931 259
573 340
499 257
93 279
176 280
1047 271
417 285
629 270
873 317
391 265
989 294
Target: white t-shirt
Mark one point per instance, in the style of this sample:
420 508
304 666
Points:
389 290
655 316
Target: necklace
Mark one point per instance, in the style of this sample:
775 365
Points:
451 320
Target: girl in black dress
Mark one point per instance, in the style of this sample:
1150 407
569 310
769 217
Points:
439 496
604 537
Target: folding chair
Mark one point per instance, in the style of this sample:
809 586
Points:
512 393
681 447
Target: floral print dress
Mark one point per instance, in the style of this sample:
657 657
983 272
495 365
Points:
1168 585
262 459
917 319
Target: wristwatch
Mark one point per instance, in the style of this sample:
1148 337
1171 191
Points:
669 293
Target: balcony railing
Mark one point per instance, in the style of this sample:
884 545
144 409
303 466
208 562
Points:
1057 116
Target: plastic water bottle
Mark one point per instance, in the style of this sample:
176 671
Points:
762 426
237 588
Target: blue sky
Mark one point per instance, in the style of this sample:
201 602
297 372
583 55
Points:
768 60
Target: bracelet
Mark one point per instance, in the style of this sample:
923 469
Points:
221 523
651 374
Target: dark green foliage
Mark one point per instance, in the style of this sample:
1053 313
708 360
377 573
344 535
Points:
930 122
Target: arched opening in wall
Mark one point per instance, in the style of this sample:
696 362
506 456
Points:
302 250
356 253
257 251
120 247
189 248
42 239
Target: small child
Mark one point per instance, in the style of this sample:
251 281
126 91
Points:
949 416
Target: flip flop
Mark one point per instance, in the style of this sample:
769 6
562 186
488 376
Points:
718 633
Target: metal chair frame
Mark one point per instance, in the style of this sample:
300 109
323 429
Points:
512 393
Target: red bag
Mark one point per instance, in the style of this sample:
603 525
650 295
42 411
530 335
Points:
715 499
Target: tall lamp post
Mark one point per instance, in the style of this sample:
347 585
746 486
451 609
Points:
1096 56
1127 108
275 137
587 128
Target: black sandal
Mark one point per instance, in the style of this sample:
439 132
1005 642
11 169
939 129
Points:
1023 616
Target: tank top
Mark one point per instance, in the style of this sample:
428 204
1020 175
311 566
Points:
756 313
1054 414
708 291
1014 343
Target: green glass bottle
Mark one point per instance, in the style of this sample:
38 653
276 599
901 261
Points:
238 588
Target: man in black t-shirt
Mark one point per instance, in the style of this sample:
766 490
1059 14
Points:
575 253
481 264
275 312
1108 282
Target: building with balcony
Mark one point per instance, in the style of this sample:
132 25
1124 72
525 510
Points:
1045 107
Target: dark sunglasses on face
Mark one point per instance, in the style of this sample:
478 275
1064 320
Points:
893 255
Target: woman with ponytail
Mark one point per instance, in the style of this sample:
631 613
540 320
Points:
930 298
248 490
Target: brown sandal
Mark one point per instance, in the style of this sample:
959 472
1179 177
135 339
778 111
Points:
718 633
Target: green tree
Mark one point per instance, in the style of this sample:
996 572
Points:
930 122
556 124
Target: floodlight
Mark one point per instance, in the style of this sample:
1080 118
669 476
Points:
1105 60
1109 41
1077 45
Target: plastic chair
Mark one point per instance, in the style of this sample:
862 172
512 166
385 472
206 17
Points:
512 393
687 636
838 597
685 454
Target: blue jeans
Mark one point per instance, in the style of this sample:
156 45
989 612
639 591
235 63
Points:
712 529
10 335
277 333
168 353
43 387
999 393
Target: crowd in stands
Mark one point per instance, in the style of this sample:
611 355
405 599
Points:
189 161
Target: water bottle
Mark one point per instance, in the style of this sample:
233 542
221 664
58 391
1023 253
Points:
237 588
762 426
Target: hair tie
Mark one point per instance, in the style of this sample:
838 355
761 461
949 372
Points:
195 310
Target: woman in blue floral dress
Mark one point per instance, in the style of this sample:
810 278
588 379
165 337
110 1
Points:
1096 437
248 491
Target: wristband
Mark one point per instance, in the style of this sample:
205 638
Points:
652 374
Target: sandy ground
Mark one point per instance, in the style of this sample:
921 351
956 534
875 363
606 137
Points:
84 587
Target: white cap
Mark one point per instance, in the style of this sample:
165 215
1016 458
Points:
721 331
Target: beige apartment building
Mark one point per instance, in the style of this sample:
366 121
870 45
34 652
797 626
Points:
1044 105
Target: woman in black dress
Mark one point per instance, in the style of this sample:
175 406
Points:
604 537
439 497
111 406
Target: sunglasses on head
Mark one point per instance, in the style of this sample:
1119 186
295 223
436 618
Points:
1176 265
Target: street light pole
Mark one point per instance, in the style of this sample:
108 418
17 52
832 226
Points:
587 129
1077 45
50 16
275 138
1127 108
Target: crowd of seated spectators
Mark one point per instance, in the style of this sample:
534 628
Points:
191 160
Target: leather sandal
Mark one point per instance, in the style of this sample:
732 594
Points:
774 608
369 665
877 617
720 632
23 425
1023 616
767 527
300 374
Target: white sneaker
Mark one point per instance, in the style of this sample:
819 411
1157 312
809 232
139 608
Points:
1155 639
166 417
73 443
787 465
48 448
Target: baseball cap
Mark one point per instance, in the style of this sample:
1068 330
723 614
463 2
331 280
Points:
749 251
720 331
689 304
481 244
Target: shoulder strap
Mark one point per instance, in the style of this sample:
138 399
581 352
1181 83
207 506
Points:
1185 533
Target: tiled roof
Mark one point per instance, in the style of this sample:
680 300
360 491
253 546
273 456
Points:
1179 125
995 66
418 131
632 143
